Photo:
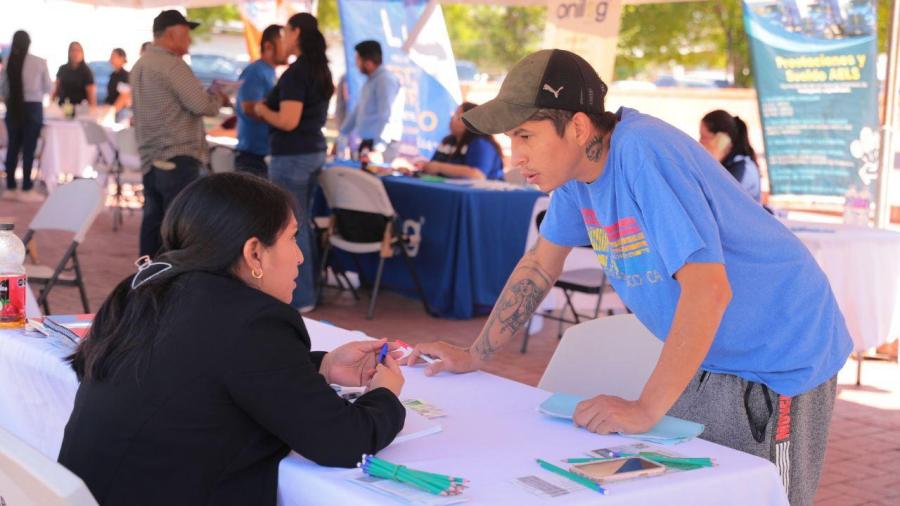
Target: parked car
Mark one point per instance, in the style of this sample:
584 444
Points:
468 72
212 67
4 54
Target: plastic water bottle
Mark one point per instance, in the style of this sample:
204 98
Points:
850 205
12 278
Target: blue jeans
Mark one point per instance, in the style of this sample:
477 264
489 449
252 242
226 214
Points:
23 139
160 189
299 175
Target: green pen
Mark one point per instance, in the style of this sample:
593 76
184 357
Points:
700 462
572 476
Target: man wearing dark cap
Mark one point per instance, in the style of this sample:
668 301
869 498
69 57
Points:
753 337
169 104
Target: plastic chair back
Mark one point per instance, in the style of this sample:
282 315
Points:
355 190
29 478
613 355
72 207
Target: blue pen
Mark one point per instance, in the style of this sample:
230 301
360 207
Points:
383 353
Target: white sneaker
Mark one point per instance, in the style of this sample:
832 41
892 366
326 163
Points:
307 309
30 196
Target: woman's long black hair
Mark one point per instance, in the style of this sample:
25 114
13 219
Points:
312 47
469 135
15 104
735 128
204 230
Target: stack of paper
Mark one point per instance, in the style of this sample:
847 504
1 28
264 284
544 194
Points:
416 426
669 430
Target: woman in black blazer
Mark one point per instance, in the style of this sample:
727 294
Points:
197 376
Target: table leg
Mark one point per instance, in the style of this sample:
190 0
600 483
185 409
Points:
859 363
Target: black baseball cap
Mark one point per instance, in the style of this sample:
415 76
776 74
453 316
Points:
546 79
171 18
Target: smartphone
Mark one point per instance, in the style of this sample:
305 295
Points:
624 468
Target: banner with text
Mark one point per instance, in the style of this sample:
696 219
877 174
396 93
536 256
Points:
427 72
587 28
814 67
258 14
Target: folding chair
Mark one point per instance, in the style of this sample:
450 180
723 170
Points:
28 477
71 208
127 171
364 222
586 281
611 356
221 159
96 136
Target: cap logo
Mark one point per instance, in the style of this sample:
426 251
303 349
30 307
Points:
547 87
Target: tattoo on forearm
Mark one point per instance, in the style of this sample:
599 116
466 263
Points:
594 148
517 303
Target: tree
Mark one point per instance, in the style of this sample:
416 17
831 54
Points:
210 16
691 34
494 37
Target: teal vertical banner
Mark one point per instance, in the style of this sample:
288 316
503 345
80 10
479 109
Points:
814 66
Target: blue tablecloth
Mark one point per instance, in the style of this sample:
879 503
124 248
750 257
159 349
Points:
471 239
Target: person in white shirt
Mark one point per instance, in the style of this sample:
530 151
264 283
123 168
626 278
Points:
23 83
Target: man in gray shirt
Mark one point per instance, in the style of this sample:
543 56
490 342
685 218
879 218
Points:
169 104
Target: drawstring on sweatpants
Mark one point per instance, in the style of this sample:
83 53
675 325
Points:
757 427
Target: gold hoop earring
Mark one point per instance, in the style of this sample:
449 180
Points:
256 275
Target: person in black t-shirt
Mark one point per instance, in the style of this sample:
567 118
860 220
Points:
74 80
118 94
296 110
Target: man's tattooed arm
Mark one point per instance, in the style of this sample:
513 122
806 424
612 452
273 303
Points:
527 286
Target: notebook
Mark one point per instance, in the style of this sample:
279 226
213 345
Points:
669 430
416 426
71 328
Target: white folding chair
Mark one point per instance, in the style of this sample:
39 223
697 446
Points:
611 356
98 137
28 478
363 196
71 208
221 159
127 171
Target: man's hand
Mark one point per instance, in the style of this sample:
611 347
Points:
260 110
605 414
449 358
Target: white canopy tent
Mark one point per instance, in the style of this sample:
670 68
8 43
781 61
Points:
892 84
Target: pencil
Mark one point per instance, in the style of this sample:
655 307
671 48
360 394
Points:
572 476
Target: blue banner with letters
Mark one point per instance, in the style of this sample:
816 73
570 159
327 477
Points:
427 72
814 64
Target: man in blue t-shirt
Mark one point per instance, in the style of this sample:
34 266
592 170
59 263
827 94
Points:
257 80
753 335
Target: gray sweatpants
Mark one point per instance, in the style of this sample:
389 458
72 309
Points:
790 431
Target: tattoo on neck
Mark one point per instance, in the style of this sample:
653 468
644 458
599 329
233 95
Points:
594 148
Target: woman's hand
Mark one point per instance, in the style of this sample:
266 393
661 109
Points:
353 364
430 168
388 375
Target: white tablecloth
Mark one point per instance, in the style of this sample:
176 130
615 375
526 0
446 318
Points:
66 150
863 267
492 435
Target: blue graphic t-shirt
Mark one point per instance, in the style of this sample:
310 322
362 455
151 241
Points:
662 202
258 79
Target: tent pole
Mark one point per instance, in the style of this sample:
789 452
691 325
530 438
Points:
886 161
